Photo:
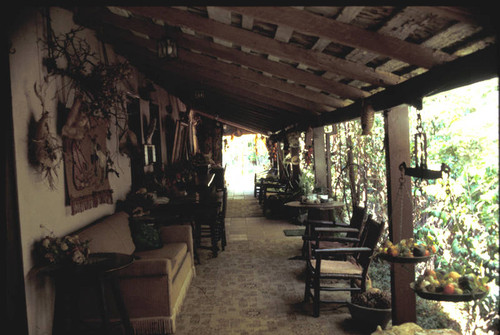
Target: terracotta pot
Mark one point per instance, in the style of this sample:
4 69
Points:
370 317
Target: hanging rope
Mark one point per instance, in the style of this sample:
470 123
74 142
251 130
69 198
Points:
400 195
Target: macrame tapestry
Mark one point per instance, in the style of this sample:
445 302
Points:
85 163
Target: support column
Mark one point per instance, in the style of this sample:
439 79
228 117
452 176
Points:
320 173
319 157
399 203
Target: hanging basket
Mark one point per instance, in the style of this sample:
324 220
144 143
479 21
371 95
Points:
367 119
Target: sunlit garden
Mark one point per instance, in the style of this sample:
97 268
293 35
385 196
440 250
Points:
457 213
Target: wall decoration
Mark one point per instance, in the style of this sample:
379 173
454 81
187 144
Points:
45 150
149 154
86 163
98 101
128 144
76 121
181 133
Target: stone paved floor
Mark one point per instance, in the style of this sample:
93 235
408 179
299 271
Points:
254 287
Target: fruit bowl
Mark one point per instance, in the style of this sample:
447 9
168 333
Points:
406 251
450 297
402 259
450 286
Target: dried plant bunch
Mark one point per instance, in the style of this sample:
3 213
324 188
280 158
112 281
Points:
373 298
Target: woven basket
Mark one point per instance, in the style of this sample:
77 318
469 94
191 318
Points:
367 118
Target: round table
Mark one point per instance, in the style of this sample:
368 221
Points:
99 269
323 206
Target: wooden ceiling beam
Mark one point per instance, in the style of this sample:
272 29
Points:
234 85
225 73
345 34
238 110
231 123
242 112
467 70
293 90
156 32
314 98
268 115
399 26
253 41
267 111
275 68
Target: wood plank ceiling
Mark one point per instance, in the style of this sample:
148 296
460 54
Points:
272 68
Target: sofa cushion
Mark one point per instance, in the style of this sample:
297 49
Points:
176 252
111 234
147 267
145 235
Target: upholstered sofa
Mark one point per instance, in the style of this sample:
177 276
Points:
155 284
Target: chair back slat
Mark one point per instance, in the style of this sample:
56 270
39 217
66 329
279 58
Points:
369 238
357 221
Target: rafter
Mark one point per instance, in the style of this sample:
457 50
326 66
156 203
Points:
204 62
190 42
278 69
479 66
266 45
345 34
289 93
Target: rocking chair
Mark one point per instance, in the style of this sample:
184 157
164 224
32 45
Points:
324 270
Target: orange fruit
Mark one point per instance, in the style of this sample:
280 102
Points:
393 251
449 289
427 253
430 272
433 248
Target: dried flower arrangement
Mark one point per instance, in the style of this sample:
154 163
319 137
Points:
96 84
373 298
95 81
67 250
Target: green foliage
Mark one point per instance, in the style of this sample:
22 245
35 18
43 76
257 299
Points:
358 167
306 182
458 213
462 131
430 315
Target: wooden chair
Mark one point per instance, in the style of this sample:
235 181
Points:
321 265
207 225
257 183
221 217
352 232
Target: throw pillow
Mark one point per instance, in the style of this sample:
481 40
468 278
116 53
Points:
145 235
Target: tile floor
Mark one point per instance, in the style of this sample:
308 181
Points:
253 228
255 286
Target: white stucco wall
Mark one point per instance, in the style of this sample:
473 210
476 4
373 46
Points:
38 204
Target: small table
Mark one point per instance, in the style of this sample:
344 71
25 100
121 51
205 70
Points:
323 206
99 269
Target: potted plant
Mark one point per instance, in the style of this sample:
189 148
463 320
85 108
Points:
371 308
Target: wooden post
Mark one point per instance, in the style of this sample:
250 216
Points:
319 157
328 165
397 144
320 173
295 168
